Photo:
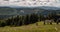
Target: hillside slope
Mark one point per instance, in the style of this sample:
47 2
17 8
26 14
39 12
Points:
9 11
32 28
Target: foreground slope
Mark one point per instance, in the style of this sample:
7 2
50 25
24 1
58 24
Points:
32 28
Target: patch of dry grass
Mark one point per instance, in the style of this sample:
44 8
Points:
32 28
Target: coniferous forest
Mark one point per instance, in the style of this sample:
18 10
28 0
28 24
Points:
20 20
36 15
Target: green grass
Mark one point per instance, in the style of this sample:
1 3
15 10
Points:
32 28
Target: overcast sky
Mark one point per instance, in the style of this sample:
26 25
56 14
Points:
30 3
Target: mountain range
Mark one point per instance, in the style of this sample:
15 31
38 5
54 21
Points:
6 11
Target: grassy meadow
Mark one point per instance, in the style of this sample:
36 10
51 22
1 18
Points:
32 28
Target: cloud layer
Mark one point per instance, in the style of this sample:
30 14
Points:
30 3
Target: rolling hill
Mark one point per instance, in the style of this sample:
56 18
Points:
9 11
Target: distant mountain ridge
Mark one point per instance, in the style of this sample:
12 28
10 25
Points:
7 11
45 7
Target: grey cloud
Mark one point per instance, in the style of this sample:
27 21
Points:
30 3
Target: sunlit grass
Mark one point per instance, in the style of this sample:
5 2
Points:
32 28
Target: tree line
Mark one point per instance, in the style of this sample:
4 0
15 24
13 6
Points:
27 19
